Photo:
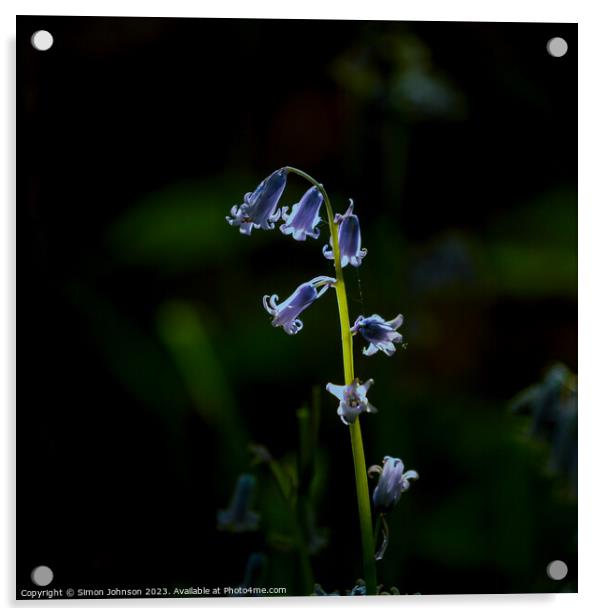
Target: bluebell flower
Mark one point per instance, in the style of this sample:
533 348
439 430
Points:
350 239
239 518
352 399
259 208
304 217
286 314
391 483
254 571
379 333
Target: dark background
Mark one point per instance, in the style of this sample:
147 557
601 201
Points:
148 364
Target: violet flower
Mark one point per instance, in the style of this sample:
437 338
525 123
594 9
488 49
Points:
391 483
254 570
304 217
350 239
259 208
381 334
286 314
239 518
352 399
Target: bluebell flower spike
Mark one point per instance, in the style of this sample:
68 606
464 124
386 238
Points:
352 399
392 482
304 218
259 209
381 334
286 314
239 518
350 239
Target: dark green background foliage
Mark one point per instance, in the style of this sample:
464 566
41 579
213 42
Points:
148 363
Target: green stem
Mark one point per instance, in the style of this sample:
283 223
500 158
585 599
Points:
300 537
357 447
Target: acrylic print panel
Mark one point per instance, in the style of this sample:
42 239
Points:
208 324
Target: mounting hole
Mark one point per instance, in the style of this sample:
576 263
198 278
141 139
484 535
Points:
42 575
557 570
557 47
42 40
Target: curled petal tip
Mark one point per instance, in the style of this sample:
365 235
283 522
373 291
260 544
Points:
327 252
374 469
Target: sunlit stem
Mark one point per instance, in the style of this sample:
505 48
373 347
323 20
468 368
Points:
357 447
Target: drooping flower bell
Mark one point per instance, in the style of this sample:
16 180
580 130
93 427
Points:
381 334
286 314
391 483
239 518
304 217
352 399
350 239
259 209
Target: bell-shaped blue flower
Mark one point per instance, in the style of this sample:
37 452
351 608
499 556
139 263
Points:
350 239
352 399
254 572
286 314
391 483
304 217
259 209
239 518
381 334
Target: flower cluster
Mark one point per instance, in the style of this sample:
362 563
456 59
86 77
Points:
260 210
